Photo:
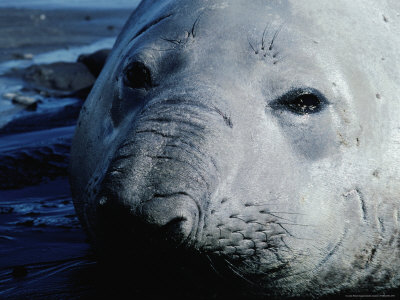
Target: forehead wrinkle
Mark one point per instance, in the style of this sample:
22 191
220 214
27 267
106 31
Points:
182 36
150 25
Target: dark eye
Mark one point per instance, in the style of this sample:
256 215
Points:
137 76
301 101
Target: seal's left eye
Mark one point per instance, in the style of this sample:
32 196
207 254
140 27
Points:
301 101
137 76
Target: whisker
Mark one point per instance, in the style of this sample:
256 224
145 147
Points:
252 267
263 204
234 270
288 213
212 265
290 249
255 222
255 51
263 36
271 214
288 232
279 60
275 37
296 224
193 31
175 42
247 222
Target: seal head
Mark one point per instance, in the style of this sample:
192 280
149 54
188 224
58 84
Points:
260 136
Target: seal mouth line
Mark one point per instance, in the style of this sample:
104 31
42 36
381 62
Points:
324 260
149 25
333 251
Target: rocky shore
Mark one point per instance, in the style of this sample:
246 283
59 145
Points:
31 163
25 33
49 60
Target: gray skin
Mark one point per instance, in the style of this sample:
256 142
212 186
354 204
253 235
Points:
197 126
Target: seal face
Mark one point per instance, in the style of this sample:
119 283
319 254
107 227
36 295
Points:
262 135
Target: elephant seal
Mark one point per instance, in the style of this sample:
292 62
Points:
263 136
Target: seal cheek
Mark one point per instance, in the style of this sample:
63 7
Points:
126 101
131 88
313 139
305 121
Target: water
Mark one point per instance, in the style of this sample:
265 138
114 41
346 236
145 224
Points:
55 4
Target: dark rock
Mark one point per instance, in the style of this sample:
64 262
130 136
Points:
63 79
61 76
32 107
58 117
95 61
33 166
43 156
27 223
6 210
32 214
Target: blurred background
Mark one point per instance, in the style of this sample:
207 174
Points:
52 4
51 52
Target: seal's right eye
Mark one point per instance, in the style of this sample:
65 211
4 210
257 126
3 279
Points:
301 101
137 76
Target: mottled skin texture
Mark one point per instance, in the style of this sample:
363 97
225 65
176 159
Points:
211 146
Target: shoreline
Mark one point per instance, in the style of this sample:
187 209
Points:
49 36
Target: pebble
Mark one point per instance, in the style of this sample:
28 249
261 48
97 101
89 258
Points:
29 102
24 100
23 55
9 96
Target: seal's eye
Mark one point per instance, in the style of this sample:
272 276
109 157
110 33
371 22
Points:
301 101
137 76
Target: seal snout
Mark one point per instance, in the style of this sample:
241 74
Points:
173 218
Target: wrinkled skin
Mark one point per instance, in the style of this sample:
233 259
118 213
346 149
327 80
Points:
195 132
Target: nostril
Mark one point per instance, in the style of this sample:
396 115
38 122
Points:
177 230
163 223
174 223
173 217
